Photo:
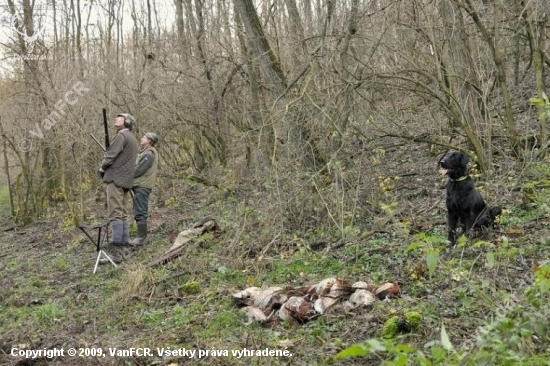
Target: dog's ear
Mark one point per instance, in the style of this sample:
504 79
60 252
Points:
464 160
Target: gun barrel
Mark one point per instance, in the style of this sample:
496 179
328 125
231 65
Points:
106 127
99 143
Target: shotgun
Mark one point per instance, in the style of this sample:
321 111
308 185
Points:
99 143
106 127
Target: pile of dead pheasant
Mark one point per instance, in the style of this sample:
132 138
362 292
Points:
306 303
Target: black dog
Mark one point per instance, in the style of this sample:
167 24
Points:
465 206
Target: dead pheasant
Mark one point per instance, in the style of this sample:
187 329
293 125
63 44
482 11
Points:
299 309
305 303
388 290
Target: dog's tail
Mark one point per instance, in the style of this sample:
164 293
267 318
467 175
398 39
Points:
494 213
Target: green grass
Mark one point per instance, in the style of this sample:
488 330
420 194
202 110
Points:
4 200
48 314
51 292
300 269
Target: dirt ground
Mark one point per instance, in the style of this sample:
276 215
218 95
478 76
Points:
50 299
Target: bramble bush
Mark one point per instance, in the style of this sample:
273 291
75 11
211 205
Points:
518 334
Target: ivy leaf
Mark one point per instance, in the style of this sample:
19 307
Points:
462 241
445 341
355 350
376 345
401 360
431 261
362 349
413 246
491 260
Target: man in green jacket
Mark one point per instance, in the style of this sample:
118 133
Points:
117 170
145 177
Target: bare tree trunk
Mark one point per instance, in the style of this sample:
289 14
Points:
465 93
347 63
216 141
191 22
269 66
256 112
55 36
88 42
120 34
78 17
308 18
149 35
33 77
7 168
67 27
536 41
197 25
492 43
297 33
179 21
135 29
157 21
72 16
110 24
257 40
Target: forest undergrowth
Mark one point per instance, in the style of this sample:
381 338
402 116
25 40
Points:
483 302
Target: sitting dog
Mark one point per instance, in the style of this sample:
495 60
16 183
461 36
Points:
465 206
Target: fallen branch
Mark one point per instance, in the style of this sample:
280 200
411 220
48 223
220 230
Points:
166 258
179 247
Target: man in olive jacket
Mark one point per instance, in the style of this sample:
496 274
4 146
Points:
145 177
117 170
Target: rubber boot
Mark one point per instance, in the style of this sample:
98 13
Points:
118 253
118 228
141 232
125 233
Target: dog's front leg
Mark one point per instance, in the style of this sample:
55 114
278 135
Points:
469 224
452 222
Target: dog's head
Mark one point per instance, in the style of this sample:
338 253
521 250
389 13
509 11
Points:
454 164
